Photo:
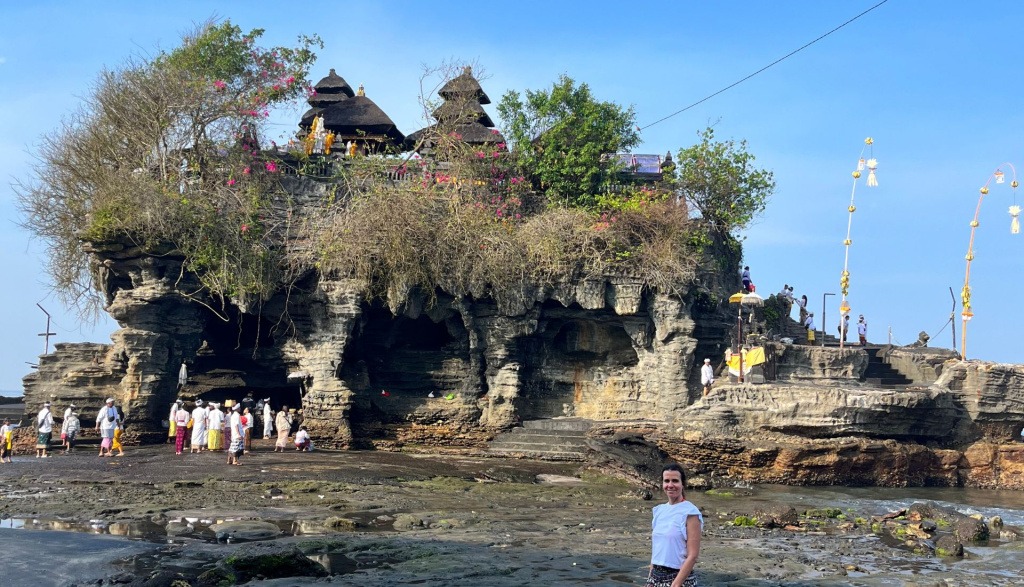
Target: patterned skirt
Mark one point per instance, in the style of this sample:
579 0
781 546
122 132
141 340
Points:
43 440
663 576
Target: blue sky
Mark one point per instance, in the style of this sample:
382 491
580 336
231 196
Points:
936 84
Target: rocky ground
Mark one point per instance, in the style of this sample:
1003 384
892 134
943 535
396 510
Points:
379 518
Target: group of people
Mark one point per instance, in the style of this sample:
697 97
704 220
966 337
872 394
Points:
211 429
108 422
807 318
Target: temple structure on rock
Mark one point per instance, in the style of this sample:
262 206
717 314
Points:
354 121
460 115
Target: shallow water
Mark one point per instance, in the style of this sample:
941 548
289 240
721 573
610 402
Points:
33 543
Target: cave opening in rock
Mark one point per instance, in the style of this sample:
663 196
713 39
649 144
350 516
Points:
239 356
393 363
574 363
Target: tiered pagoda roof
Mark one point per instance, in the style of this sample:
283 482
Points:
461 113
349 115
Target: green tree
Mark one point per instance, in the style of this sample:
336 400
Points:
562 136
718 179
164 151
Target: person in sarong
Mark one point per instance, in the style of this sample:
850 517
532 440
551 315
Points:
181 418
63 435
107 420
69 430
199 431
268 419
215 424
6 442
172 422
44 428
247 421
116 444
237 447
283 423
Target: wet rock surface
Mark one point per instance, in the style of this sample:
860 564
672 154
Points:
375 519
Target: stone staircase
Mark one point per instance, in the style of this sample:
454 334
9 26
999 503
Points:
792 329
554 439
881 374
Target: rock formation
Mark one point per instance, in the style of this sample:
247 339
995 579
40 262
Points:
450 372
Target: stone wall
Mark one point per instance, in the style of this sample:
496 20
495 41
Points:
922 365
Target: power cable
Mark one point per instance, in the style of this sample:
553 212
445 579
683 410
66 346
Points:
777 61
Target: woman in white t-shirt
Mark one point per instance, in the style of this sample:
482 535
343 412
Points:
675 534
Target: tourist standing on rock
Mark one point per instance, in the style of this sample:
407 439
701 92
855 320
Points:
106 421
283 422
862 331
747 283
44 427
69 431
6 442
215 424
199 431
707 376
844 327
802 302
268 419
675 534
809 324
181 417
237 447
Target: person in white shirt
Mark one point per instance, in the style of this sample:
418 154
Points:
44 426
809 324
302 440
63 434
214 428
862 331
268 419
172 423
676 528
107 420
707 376
237 436
198 428
6 442
69 431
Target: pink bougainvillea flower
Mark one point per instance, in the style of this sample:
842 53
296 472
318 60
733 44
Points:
219 84
245 228
231 182
495 131
246 171
271 166
480 155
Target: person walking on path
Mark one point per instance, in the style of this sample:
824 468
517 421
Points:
44 427
862 331
745 276
69 430
63 435
107 420
237 447
181 417
283 423
6 443
707 376
199 432
809 324
676 528
116 444
268 419
247 421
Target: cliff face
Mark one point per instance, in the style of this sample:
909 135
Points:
450 372
363 374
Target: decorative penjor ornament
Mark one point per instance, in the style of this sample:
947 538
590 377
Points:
871 164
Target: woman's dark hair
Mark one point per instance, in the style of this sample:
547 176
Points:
675 467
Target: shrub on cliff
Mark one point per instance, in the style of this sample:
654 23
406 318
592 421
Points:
165 150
